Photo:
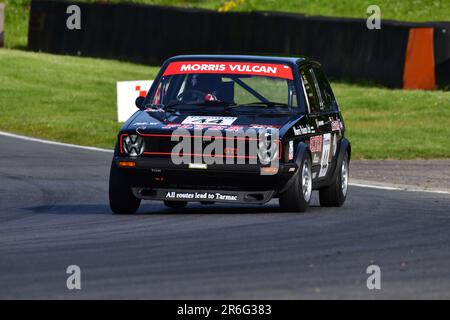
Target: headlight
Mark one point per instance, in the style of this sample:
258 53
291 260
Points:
133 145
268 148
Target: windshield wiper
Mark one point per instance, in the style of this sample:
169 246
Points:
259 104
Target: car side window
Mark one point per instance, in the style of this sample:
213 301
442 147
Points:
328 99
310 90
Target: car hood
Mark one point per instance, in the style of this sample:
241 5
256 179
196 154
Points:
152 121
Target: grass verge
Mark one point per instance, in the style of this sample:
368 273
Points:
73 100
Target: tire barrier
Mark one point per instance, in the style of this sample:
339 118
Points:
399 55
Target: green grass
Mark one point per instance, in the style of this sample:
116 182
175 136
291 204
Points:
16 23
73 100
62 98
396 124
404 10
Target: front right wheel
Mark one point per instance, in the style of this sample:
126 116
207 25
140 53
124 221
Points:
335 194
121 198
297 197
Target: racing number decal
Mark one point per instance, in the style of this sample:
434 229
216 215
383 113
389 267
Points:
326 148
221 121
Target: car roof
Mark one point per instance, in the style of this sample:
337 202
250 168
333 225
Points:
230 57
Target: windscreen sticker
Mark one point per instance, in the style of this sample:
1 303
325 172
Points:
209 120
222 67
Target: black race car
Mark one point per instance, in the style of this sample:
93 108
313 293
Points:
235 129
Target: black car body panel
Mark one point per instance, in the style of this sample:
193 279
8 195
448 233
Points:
313 125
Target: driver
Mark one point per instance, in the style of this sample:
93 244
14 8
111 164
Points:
206 87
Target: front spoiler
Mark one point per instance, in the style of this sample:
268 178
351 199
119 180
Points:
190 195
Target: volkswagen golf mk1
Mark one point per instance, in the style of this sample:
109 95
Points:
233 129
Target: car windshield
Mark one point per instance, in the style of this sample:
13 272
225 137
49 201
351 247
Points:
224 84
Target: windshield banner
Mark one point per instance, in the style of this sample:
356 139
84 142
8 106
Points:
223 67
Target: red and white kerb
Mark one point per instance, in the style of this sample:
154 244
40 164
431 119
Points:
227 67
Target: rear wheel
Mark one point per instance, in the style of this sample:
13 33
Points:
297 197
121 198
175 204
335 194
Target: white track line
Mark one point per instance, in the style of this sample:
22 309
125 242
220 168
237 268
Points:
359 184
394 187
16 136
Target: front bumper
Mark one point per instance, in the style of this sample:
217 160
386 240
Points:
255 197
150 174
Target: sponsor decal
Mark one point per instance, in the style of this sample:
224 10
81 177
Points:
209 120
201 196
315 143
198 166
334 147
171 126
151 109
234 128
224 67
214 126
291 150
335 125
316 158
325 154
145 124
301 130
263 126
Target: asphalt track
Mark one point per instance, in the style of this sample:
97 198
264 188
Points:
54 213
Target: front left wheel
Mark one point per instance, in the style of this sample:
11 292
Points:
121 198
297 197
335 194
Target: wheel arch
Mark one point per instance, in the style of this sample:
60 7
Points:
302 147
344 147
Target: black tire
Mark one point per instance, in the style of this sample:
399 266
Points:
121 198
334 195
175 204
294 199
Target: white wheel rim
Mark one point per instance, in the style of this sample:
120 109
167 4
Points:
306 181
344 177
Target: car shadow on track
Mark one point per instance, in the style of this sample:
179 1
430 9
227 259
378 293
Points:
70 209
210 209
155 209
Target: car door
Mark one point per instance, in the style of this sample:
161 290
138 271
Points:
321 143
330 125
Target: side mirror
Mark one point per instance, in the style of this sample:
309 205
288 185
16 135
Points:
139 101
